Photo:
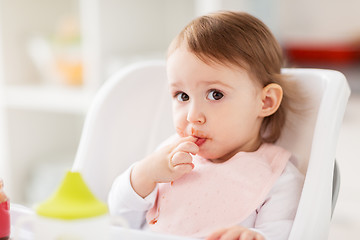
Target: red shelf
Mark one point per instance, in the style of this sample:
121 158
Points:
323 53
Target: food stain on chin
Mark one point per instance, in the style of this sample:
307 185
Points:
180 132
153 221
197 133
192 131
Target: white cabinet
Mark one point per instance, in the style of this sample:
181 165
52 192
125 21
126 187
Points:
41 115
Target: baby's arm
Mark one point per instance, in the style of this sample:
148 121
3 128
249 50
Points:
165 165
125 203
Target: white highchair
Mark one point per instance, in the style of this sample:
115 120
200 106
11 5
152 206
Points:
131 115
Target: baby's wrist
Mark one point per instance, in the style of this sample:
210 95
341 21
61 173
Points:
140 180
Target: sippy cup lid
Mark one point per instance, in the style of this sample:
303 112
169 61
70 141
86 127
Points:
72 200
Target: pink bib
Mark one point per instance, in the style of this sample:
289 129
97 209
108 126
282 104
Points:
217 195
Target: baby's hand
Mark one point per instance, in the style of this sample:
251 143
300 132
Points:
165 165
235 233
180 161
174 160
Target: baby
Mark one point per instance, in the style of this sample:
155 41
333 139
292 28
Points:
221 176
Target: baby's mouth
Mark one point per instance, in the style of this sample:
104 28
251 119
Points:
200 141
200 137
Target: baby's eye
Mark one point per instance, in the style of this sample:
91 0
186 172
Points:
182 97
215 95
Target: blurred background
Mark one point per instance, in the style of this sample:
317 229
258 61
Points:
54 55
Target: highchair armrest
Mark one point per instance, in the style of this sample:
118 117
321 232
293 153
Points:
336 187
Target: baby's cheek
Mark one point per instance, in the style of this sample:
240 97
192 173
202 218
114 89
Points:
180 123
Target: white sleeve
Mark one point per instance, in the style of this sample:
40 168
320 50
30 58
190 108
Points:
123 201
275 217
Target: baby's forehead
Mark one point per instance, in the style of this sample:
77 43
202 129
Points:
183 63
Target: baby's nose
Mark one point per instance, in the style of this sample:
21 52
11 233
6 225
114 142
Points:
196 115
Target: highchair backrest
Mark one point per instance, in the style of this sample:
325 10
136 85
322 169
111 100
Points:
312 138
131 115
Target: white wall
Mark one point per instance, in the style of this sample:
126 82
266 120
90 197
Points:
3 153
298 20
319 20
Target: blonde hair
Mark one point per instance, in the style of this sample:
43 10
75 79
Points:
239 39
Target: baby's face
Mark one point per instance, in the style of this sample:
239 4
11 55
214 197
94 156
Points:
217 104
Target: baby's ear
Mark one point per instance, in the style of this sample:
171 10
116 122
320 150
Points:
271 98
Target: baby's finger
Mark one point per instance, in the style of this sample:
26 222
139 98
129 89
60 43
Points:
180 158
216 235
181 163
181 169
179 140
258 236
189 147
249 235
231 234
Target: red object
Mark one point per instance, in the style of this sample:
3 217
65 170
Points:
328 53
5 219
4 214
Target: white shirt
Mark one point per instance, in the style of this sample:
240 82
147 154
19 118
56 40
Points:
273 218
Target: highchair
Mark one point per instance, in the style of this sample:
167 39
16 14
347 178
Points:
131 115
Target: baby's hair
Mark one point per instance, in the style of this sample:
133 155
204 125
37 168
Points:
239 39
